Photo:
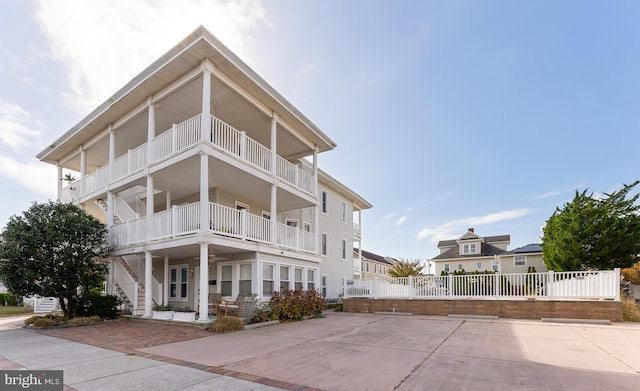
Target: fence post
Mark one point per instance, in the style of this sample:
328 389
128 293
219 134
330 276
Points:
374 289
550 284
411 290
450 284
496 284
616 283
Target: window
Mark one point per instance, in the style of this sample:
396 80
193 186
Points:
266 215
324 202
494 266
520 260
307 227
459 266
446 268
362 266
344 212
178 282
284 278
298 277
245 279
291 222
226 279
324 244
479 265
324 285
344 249
367 267
311 279
469 248
267 279
241 206
375 268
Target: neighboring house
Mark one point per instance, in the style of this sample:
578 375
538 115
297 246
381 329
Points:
472 252
197 167
372 265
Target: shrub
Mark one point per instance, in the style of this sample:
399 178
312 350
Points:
96 304
8 299
261 314
86 320
225 324
295 305
630 311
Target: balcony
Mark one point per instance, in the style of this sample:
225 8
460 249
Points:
222 221
179 138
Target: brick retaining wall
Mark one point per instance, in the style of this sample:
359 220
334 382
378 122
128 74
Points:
516 309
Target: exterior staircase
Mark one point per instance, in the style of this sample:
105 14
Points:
133 303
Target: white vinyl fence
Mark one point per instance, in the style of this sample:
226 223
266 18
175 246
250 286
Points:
600 285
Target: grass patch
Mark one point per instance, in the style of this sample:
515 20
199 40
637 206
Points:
14 310
630 311
226 324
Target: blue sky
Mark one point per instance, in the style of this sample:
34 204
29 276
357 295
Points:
447 114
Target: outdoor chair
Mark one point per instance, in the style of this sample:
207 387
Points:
214 301
232 307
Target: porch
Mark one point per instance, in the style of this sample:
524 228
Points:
222 220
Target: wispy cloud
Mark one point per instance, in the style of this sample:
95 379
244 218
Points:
390 215
444 196
18 128
119 38
36 176
557 192
455 228
401 220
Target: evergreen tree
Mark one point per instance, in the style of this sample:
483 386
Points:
53 250
594 233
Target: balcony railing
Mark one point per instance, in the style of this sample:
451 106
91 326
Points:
182 136
222 220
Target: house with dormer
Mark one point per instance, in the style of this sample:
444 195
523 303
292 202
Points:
472 252
207 179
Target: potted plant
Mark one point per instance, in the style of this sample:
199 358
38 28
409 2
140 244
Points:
162 312
185 314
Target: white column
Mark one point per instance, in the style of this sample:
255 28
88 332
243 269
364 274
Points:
274 215
204 282
150 206
148 288
168 200
83 169
165 282
204 192
274 149
110 214
315 168
59 181
112 151
205 119
151 129
316 209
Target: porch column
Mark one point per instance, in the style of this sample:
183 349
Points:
168 200
204 192
83 169
110 215
112 151
205 119
150 207
165 282
151 129
316 209
59 180
274 215
204 282
148 288
274 184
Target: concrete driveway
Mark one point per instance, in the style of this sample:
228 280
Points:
388 352
346 351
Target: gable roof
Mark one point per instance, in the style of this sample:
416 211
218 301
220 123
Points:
486 250
487 240
374 257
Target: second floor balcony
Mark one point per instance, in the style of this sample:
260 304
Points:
221 220
183 136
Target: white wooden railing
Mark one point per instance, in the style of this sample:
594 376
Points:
222 220
186 134
127 284
601 285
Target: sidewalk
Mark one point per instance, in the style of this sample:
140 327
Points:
342 351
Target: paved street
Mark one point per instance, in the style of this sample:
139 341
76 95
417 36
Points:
342 352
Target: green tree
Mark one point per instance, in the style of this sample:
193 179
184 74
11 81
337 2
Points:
53 250
594 232
406 268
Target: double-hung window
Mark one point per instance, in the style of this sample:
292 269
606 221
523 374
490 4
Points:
284 278
267 279
178 282
298 277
